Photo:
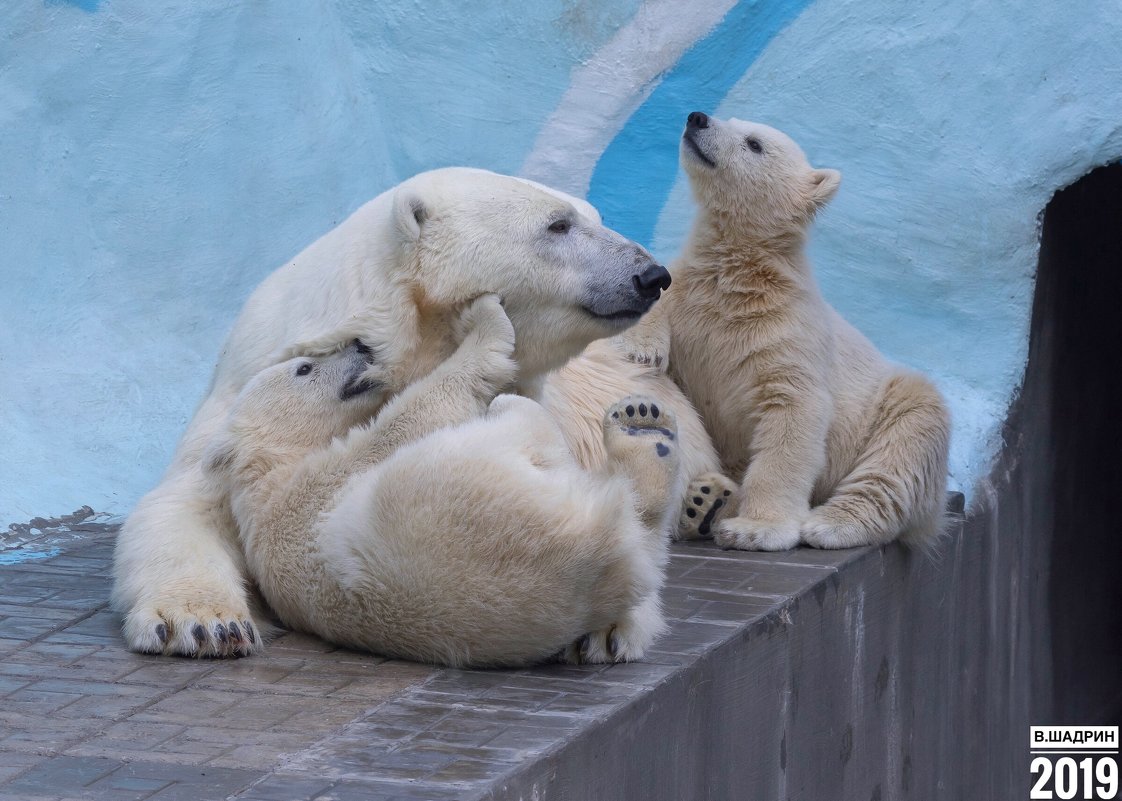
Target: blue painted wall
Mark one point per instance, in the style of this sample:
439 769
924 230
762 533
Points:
159 159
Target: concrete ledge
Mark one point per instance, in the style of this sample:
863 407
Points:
873 673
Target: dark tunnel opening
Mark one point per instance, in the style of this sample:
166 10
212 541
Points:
1071 402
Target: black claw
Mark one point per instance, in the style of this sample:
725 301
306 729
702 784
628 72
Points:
249 633
654 411
235 632
642 410
199 633
728 493
582 649
630 411
221 633
613 643
697 500
615 415
691 513
162 633
705 490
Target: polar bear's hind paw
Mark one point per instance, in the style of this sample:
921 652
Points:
639 416
708 500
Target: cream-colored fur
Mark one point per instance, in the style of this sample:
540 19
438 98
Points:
397 274
455 528
834 445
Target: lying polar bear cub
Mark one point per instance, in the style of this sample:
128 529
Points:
447 530
835 445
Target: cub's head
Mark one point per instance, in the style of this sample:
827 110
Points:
295 406
752 177
564 278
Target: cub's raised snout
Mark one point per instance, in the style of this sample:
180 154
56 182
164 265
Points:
697 119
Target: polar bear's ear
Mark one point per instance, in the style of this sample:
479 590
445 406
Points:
409 213
823 186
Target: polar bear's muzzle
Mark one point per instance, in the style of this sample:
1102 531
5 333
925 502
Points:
629 303
357 382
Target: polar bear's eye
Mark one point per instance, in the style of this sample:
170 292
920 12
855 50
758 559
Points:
304 369
559 227
754 144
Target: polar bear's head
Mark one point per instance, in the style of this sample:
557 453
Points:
564 278
292 407
753 177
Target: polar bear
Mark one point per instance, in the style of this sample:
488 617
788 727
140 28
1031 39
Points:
447 530
834 445
396 275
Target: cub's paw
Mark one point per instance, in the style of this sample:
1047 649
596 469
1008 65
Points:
646 351
618 643
640 416
484 323
197 630
821 531
745 534
709 499
488 342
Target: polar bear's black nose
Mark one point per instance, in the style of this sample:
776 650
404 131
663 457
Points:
649 282
697 119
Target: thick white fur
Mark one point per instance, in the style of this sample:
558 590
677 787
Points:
397 274
444 531
834 445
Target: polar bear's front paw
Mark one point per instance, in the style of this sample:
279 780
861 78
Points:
746 534
191 630
488 343
708 497
646 344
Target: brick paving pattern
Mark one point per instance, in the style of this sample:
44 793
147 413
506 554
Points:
82 718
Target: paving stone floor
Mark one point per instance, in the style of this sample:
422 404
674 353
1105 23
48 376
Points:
82 718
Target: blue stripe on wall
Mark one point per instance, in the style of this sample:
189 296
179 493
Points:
636 172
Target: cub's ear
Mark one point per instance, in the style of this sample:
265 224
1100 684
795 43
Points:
823 185
410 213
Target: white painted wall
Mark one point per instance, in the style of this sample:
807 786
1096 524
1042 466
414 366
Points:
158 159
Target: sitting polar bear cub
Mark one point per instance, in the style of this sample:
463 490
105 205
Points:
835 446
397 275
438 534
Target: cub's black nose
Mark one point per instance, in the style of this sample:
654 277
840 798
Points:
697 119
649 282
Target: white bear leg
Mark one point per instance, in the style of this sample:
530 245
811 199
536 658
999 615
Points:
899 483
789 440
642 442
179 574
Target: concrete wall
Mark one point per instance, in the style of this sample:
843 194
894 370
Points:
159 159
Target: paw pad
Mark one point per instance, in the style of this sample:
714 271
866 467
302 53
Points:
706 499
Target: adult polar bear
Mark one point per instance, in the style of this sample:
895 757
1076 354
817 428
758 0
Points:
397 275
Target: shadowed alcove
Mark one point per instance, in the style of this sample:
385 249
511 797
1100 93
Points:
1071 402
